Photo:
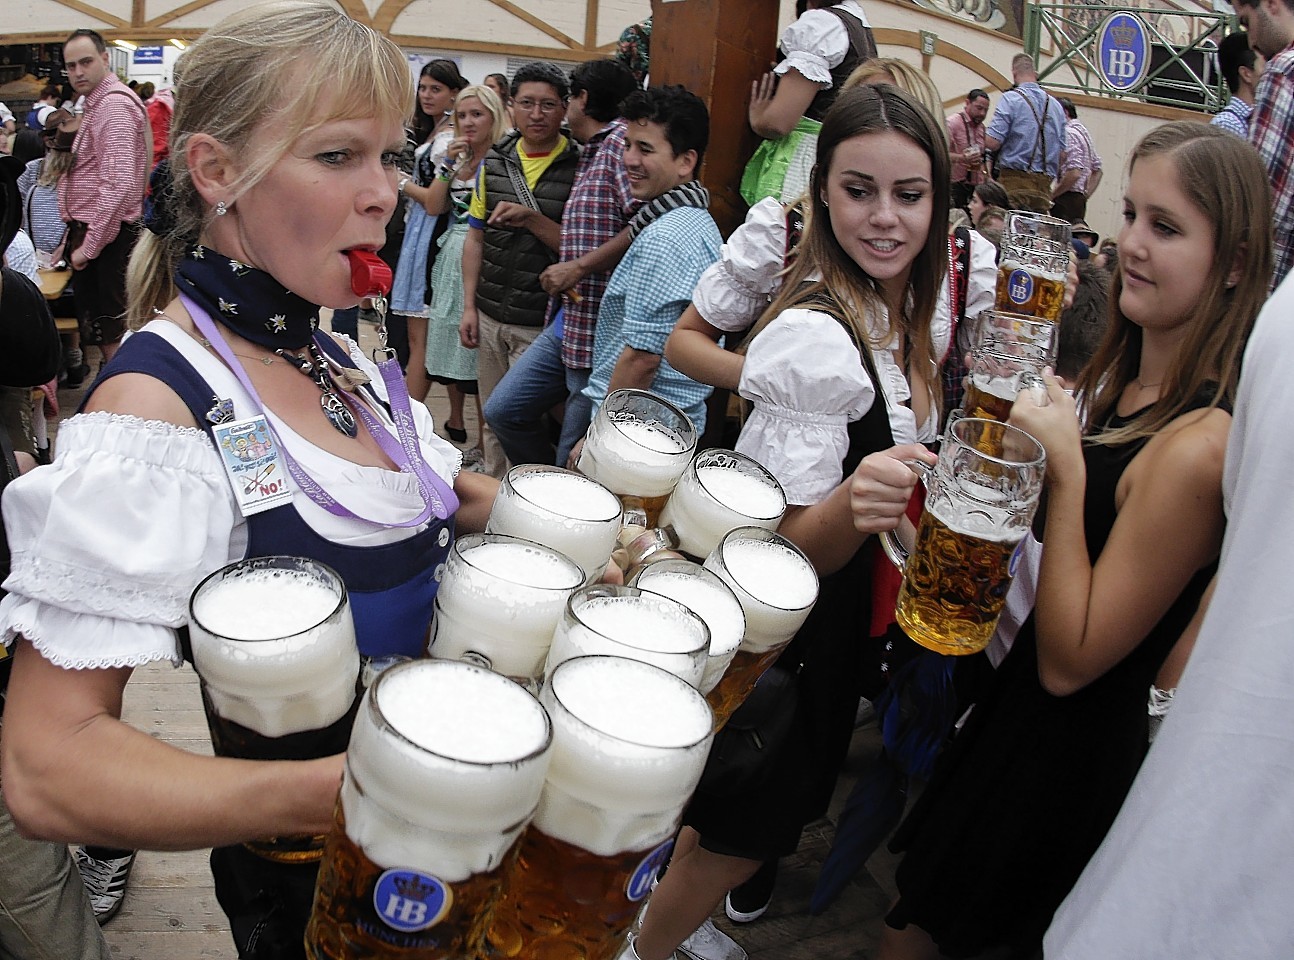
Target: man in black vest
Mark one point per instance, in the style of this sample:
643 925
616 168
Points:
515 220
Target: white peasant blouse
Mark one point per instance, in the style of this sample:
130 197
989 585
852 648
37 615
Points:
108 542
817 42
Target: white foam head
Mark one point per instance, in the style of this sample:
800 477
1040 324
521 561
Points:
629 744
633 457
706 594
774 581
275 645
626 622
561 509
501 598
720 491
444 768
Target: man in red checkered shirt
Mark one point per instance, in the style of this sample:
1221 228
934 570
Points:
102 197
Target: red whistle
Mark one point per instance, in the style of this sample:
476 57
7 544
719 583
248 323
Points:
369 274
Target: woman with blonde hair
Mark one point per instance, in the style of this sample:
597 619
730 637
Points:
283 176
479 121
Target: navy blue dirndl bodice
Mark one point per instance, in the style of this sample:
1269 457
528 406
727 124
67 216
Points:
391 585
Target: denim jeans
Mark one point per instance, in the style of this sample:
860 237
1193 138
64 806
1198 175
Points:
44 911
536 383
346 321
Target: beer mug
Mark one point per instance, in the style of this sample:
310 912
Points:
706 594
777 587
978 509
629 744
1033 266
443 773
602 619
999 370
499 602
1014 328
720 490
561 509
274 649
637 447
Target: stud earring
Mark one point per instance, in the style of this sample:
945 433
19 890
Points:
221 209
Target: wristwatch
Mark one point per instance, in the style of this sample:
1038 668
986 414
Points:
401 184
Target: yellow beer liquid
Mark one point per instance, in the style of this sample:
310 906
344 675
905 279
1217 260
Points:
344 924
651 506
738 680
953 588
563 903
1044 301
985 405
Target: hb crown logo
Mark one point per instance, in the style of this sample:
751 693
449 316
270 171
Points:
409 901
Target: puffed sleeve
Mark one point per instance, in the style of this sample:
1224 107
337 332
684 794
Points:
108 542
814 44
735 289
807 383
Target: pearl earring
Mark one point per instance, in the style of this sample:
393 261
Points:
221 209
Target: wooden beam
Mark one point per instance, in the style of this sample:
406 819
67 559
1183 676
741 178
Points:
90 11
590 24
180 11
536 22
137 13
411 41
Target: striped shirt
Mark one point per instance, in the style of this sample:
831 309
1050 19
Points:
1080 155
107 184
1234 117
1269 132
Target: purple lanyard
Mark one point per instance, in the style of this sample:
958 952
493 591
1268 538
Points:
437 496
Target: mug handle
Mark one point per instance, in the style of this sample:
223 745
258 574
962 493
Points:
890 542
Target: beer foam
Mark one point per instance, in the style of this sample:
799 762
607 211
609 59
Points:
523 564
633 458
776 586
500 600
711 600
263 604
567 494
563 510
645 627
979 519
702 511
278 661
752 495
451 778
629 744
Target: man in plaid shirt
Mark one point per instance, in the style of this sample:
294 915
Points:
102 197
594 238
1270 24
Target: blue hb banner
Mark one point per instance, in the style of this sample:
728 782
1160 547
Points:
148 55
1123 51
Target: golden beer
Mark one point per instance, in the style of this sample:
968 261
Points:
563 901
982 402
1028 291
651 507
738 680
954 587
362 910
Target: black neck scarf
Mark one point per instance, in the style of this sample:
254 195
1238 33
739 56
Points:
248 301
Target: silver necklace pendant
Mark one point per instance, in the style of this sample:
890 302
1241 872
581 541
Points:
339 414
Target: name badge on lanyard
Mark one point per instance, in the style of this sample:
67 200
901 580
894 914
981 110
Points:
254 464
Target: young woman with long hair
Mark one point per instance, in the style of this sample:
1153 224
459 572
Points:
1131 529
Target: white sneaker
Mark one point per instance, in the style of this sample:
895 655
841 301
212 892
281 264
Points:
708 942
105 882
629 953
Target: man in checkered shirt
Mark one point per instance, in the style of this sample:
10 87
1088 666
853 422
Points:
1270 24
102 197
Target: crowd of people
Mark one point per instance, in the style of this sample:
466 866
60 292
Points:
550 242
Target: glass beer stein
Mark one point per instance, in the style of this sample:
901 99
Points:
720 490
999 370
706 594
499 602
777 587
978 509
1033 265
629 744
561 509
443 773
628 622
637 447
274 649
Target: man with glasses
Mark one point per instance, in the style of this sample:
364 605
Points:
515 233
